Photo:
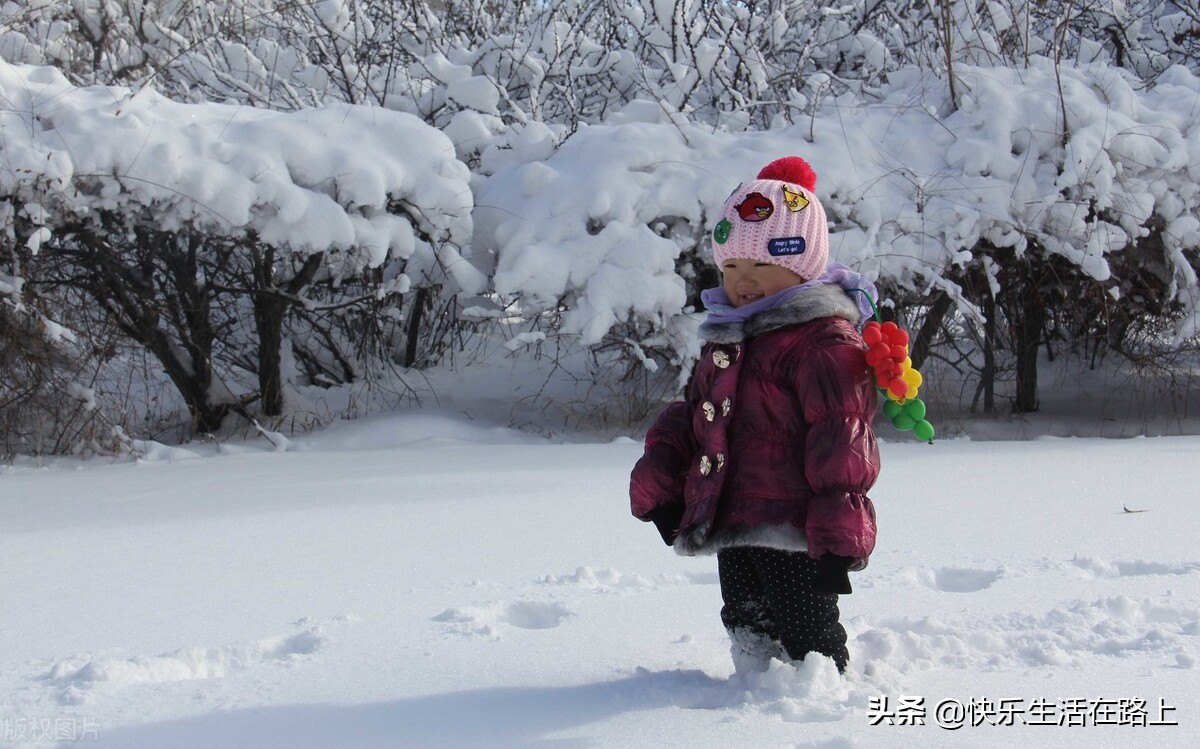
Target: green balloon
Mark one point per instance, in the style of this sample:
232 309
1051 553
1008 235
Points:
904 422
891 408
915 408
923 430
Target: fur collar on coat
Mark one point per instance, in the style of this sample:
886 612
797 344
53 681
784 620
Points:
810 304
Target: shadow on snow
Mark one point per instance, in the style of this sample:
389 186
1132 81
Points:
495 717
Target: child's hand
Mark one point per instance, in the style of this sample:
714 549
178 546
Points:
667 519
833 574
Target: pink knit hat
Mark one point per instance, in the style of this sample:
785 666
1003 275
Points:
776 219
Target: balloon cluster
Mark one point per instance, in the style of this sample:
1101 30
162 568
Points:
887 352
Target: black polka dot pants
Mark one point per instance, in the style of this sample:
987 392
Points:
770 603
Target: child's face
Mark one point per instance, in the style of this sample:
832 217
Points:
746 280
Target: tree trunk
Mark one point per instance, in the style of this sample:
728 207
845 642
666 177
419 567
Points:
271 304
988 375
1027 333
268 319
269 311
415 313
923 340
194 324
1026 313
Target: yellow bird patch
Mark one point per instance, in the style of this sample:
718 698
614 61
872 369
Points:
795 201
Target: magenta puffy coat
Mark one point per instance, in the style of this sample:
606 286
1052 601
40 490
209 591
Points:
774 444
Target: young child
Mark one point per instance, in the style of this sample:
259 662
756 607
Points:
768 462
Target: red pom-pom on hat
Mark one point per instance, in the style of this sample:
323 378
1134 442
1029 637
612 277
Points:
791 169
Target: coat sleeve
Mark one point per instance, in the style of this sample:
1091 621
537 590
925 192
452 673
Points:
658 477
841 456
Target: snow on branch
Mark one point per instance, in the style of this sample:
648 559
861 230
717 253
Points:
914 186
313 180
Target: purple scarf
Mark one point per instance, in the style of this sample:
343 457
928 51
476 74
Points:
720 311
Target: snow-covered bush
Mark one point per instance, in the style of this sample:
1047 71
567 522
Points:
183 221
922 195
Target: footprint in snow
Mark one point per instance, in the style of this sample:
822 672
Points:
77 677
941 579
482 620
1133 567
961 580
608 580
533 615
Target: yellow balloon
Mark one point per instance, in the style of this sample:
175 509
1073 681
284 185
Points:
912 392
912 377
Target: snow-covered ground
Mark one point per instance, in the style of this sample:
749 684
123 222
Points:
421 580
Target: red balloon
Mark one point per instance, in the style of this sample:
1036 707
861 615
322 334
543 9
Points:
899 353
898 387
900 337
871 334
